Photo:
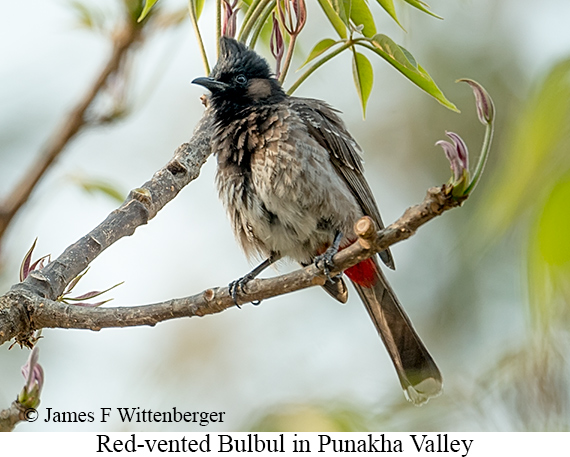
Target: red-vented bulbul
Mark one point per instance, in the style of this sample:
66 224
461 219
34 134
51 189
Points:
291 178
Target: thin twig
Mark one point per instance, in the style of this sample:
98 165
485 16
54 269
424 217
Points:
218 26
261 21
483 157
250 21
317 65
249 12
194 20
288 58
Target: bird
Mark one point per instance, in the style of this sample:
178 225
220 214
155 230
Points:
291 178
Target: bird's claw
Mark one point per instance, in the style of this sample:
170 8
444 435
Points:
324 262
238 286
235 286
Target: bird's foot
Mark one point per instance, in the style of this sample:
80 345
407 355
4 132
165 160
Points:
325 261
239 286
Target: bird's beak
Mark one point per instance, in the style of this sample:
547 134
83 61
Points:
211 84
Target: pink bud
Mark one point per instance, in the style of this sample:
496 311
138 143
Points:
451 155
293 15
229 22
277 45
485 106
461 148
33 371
457 154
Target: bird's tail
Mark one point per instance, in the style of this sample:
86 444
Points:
418 373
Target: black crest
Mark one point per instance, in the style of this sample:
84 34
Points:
236 58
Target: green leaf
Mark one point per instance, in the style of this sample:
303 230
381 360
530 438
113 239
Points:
198 6
409 56
363 78
549 259
361 16
404 62
395 53
340 9
334 18
423 7
388 6
536 152
319 48
93 186
554 225
147 7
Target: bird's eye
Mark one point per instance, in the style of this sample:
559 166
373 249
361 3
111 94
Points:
240 79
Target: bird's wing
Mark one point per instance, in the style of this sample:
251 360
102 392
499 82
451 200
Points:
326 127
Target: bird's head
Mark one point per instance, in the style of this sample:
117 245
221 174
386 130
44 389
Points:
241 78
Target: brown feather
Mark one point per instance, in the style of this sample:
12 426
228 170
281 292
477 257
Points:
330 132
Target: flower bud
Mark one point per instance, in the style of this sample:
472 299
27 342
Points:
277 45
485 107
293 14
229 21
458 157
34 375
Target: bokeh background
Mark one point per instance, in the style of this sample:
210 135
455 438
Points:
487 285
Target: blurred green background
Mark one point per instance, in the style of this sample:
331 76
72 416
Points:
487 285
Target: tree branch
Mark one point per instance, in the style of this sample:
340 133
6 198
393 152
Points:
31 305
11 416
141 205
27 307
